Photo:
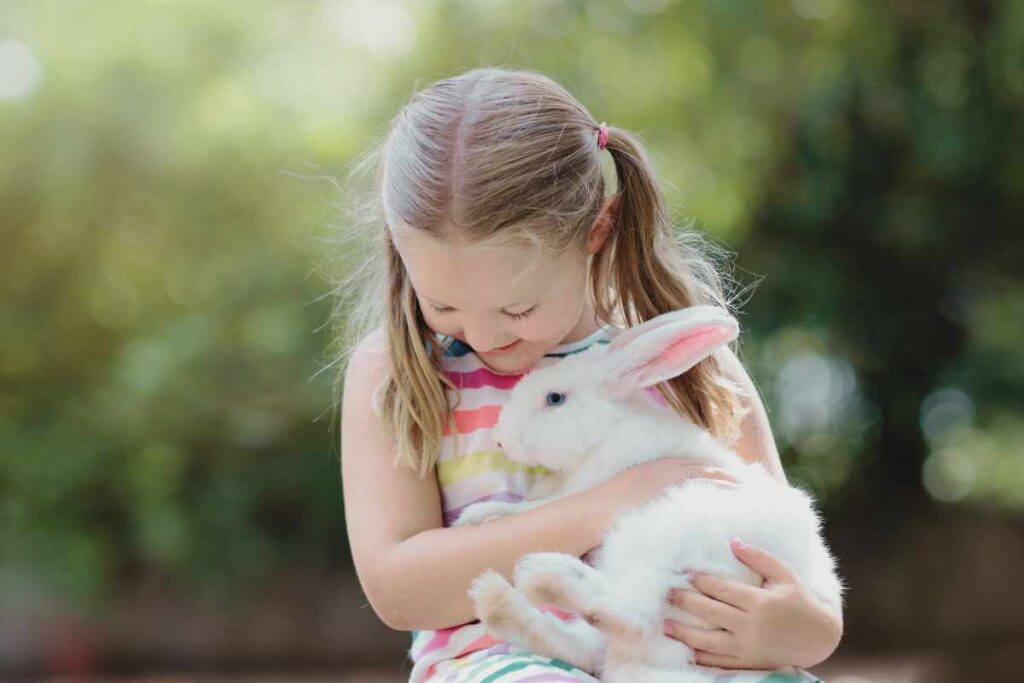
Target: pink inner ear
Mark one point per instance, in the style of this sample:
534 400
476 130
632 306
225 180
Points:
686 351
694 344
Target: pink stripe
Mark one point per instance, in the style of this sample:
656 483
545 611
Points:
537 678
439 640
482 378
480 643
467 421
559 612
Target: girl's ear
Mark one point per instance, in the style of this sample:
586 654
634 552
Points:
603 224
667 346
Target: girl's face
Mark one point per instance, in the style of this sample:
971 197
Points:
482 297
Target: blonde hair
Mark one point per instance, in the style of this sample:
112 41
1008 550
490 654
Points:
501 157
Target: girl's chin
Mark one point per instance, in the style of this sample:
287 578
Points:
511 363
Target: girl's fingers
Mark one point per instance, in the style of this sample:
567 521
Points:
742 596
716 642
763 562
712 611
709 659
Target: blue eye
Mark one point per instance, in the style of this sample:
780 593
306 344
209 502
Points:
555 398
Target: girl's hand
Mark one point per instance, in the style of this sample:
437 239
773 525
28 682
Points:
779 624
640 483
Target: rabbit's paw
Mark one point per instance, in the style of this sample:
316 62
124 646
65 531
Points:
554 578
501 609
565 581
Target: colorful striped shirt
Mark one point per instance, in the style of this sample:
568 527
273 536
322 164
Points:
479 471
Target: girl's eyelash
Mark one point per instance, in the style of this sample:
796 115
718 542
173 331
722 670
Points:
514 316
525 314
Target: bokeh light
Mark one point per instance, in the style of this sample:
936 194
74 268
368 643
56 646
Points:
20 71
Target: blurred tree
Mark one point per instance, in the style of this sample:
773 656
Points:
901 198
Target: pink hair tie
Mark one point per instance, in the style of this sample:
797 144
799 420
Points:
602 135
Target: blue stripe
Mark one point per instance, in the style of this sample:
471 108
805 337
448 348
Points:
570 353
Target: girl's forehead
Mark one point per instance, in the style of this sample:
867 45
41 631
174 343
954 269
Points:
456 272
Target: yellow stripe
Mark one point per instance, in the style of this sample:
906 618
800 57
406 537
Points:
479 462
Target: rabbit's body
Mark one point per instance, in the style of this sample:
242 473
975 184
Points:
623 597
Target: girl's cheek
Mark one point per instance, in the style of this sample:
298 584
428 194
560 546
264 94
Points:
538 329
445 329
439 326
437 322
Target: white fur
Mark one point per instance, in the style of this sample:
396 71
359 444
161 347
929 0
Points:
606 423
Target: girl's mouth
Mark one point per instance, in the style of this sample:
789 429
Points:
507 347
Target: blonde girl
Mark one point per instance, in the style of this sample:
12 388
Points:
494 250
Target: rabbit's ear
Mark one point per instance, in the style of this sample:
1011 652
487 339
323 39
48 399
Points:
682 315
667 346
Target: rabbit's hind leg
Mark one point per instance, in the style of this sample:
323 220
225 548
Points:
565 581
508 616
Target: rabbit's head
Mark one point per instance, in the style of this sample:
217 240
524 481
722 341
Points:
556 414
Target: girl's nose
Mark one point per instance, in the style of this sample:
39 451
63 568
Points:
481 342
499 444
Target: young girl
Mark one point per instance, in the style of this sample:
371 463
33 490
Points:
498 252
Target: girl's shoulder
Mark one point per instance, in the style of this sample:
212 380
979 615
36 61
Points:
371 349
370 363
366 370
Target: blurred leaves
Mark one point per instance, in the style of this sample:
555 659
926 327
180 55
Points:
161 325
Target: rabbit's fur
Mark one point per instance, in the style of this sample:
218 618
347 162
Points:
591 416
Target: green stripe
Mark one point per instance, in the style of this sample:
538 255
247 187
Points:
788 678
490 661
562 665
507 670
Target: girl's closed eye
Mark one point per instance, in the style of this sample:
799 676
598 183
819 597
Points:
514 316
520 316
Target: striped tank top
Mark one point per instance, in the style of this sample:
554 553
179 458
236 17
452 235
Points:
479 471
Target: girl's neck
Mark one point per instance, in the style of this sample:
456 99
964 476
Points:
584 328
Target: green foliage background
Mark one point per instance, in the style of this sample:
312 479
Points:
165 186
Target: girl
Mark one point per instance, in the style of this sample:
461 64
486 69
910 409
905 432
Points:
497 252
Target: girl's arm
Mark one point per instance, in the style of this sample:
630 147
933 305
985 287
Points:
415 572
756 442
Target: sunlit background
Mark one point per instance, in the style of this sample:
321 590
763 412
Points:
169 483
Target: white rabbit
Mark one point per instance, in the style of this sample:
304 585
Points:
591 416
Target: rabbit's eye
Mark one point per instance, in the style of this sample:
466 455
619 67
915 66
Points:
555 398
